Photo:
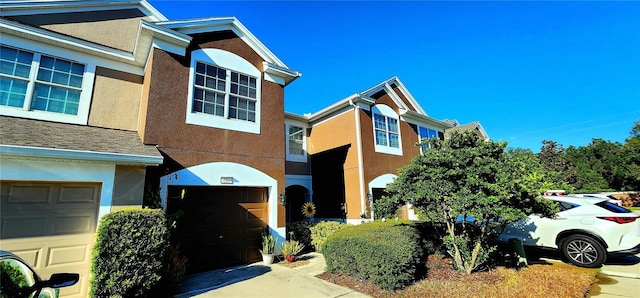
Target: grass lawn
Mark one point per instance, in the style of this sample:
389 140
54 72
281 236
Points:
540 280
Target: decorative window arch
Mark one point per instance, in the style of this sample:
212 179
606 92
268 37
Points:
386 130
224 91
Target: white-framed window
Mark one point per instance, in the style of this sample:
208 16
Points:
224 91
43 86
386 130
296 142
426 133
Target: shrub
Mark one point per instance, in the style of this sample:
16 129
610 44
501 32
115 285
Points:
128 255
322 230
387 254
301 232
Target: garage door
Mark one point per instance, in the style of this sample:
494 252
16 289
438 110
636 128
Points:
51 226
222 226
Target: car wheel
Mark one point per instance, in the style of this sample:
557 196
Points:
583 251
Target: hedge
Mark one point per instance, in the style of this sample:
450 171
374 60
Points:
388 254
301 232
128 254
322 230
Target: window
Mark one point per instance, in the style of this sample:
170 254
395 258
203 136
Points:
37 82
386 130
426 133
296 149
211 93
225 91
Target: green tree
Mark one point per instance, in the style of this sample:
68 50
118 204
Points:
472 186
600 166
558 169
632 151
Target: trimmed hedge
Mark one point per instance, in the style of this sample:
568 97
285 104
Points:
388 254
322 230
128 254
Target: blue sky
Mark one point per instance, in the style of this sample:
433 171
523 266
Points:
528 71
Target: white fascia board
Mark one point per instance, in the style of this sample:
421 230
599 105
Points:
21 7
204 25
298 118
50 153
410 97
421 119
356 99
163 38
279 75
395 97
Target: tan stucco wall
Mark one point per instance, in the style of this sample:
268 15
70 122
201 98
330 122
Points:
128 187
337 132
116 100
114 28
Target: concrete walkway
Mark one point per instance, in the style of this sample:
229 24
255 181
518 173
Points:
258 280
619 278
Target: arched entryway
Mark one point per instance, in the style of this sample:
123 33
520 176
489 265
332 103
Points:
296 197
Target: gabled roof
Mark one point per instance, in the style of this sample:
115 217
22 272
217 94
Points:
272 64
469 126
413 113
35 138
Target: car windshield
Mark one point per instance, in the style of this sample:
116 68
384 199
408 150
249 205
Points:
612 207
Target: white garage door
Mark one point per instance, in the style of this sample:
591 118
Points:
51 226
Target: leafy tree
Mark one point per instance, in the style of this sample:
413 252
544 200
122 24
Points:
600 166
473 187
632 151
559 170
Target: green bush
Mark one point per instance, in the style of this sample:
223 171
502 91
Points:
129 252
301 232
390 254
322 230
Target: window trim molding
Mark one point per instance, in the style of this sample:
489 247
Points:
88 79
232 62
386 111
296 157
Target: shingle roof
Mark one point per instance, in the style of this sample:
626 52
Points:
43 134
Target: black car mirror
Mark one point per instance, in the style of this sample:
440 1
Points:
60 280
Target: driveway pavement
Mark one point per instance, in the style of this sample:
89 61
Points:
619 278
258 280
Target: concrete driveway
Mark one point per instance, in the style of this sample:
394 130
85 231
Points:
619 277
258 280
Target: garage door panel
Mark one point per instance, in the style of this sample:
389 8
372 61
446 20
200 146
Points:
21 226
78 194
29 194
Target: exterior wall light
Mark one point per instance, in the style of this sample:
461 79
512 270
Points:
283 199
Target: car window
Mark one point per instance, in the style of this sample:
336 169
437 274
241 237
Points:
16 279
564 206
612 207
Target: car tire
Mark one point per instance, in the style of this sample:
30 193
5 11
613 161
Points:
583 251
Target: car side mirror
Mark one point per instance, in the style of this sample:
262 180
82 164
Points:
61 280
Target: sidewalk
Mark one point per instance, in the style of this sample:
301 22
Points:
258 280
619 277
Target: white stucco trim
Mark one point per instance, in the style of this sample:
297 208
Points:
389 113
380 182
210 174
360 161
57 171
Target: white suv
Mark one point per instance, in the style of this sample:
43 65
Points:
585 231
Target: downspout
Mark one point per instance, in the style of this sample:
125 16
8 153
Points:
360 165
